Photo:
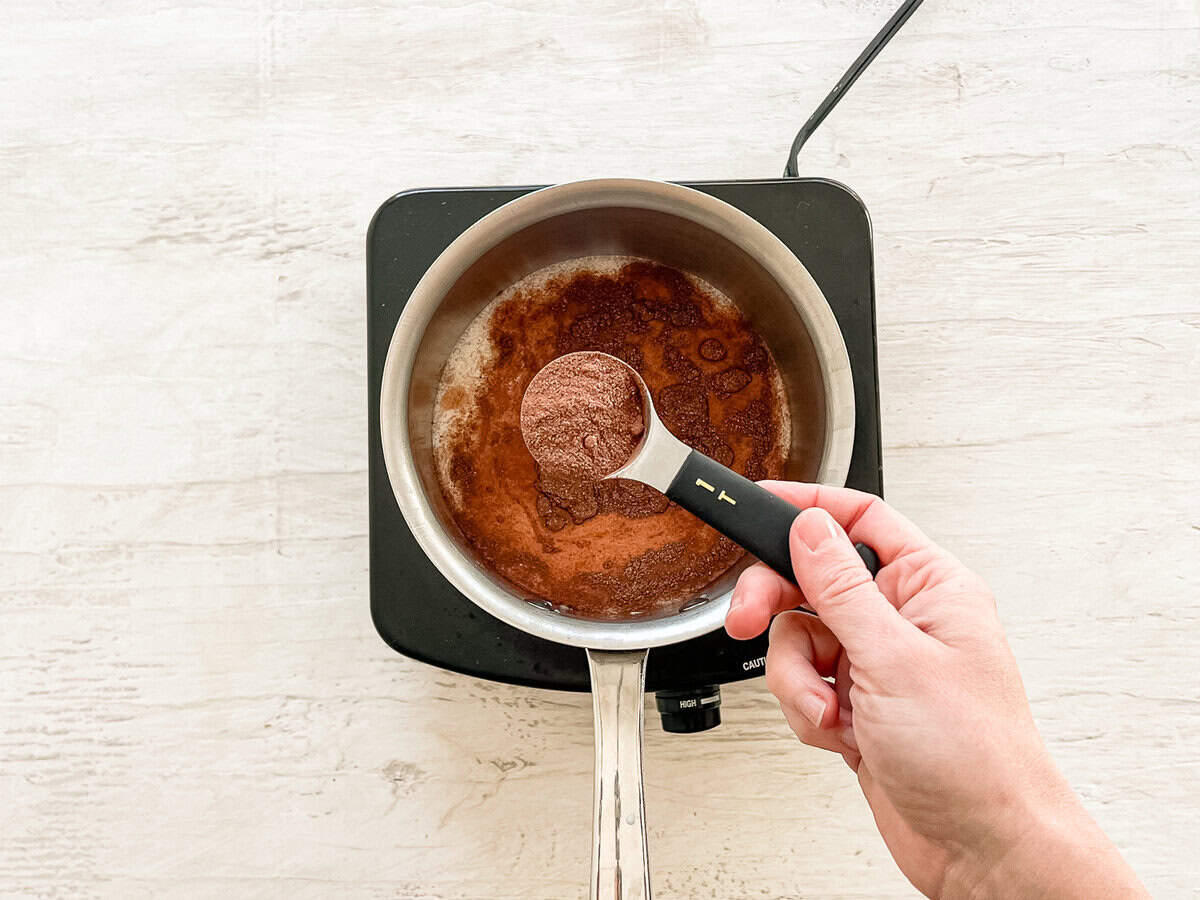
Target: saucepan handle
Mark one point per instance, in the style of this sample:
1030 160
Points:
744 511
620 870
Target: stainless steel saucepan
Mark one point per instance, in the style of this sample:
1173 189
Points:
679 227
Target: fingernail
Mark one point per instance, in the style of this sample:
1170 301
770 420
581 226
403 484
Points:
848 738
813 708
814 527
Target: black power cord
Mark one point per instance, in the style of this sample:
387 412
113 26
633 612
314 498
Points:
846 81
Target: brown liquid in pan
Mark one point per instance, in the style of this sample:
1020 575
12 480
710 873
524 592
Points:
609 549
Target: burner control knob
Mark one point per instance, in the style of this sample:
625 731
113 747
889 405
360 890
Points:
686 712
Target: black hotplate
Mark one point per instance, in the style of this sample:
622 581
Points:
416 611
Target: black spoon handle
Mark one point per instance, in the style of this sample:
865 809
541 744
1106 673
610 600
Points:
744 512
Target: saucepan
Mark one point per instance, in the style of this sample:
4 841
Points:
676 226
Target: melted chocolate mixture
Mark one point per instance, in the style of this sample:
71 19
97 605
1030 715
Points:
609 549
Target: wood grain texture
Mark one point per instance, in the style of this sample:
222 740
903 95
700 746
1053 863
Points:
192 700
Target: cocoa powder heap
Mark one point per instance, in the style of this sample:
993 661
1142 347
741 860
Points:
582 416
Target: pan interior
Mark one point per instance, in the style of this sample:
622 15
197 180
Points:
617 231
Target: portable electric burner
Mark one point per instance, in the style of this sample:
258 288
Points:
418 613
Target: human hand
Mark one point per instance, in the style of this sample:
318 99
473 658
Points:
926 705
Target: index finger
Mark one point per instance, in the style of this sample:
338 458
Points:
864 517
760 594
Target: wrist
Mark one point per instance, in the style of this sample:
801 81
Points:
1051 848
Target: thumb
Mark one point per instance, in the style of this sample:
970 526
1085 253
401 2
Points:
839 588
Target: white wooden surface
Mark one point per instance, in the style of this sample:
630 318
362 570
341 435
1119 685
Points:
193 702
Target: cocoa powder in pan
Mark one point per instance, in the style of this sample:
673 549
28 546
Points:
609 549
